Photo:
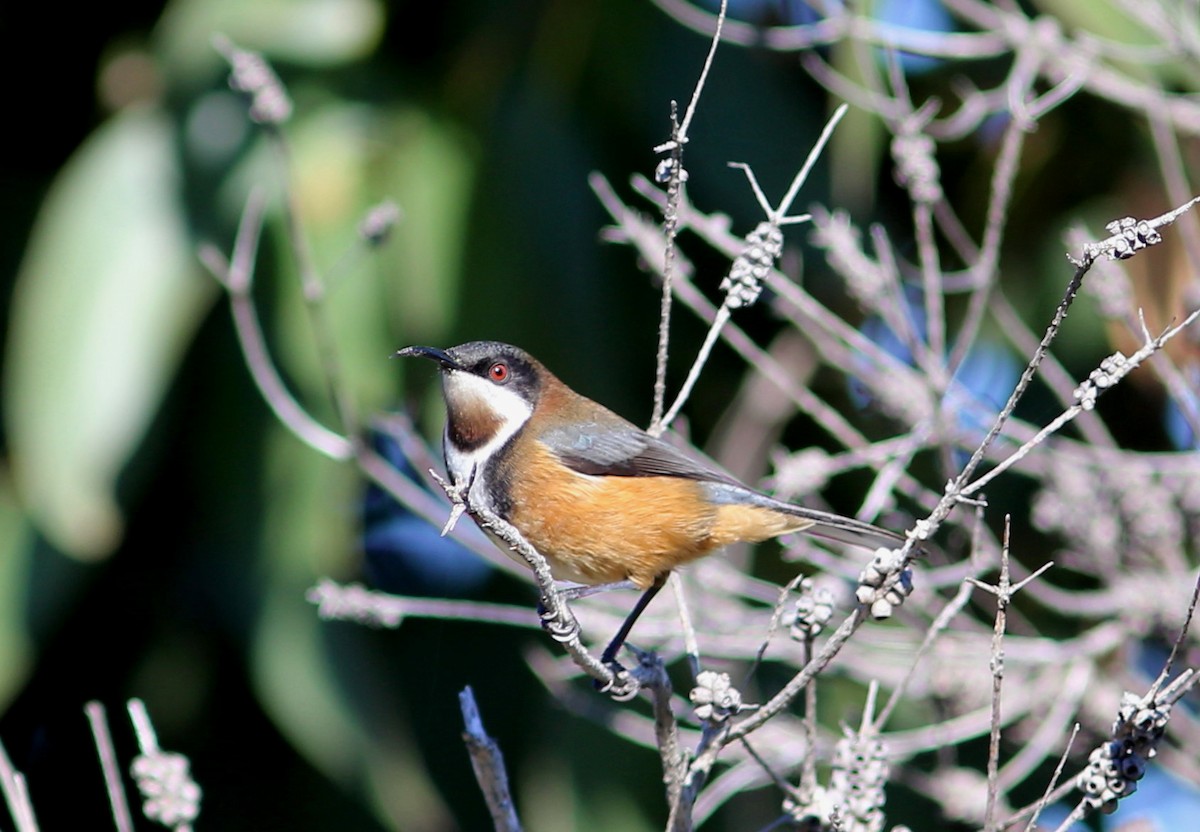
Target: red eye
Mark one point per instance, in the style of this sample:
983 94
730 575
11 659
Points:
498 372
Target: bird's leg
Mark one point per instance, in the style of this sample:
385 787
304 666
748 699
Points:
574 593
577 591
610 652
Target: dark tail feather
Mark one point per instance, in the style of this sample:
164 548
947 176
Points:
842 529
825 524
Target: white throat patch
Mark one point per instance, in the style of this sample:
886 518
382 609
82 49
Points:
466 392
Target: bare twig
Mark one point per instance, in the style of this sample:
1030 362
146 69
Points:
1180 640
939 625
314 291
805 677
236 276
1045 799
16 795
1077 677
672 171
1003 593
488 763
122 818
652 676
956 487
1113 370
670 231
354 602
690 645
710 339
557 617
712 741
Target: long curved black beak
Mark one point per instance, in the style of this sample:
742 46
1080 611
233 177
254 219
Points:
440 356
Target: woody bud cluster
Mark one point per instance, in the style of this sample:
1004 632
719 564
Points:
813 610
860 771
715 697
854 799
885 583
1135 235
916 167
170 795
1115 768
377 226
1110 371
251 74
744 282
1129 236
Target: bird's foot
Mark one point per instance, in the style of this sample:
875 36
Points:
562 628
622 687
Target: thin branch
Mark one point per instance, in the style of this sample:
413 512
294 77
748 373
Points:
1046 797
708 62
313 290
1053 796
1091 427
805 677
122 818
354 602
1003 591
780 782
487 761
775 218
690 645
1180 640
16 795
785 204
557 617
776 617
675 175
712 741
1110 375
710 339
670 231
939 625
1078 677
237 278
1018 392
808 766
652 676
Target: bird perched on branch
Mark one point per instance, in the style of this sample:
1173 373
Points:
602 500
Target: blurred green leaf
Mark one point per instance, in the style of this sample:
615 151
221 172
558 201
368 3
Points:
106 300
346 160
314 33
1099 17
299 686
1119 23
430 170
314 692
15 658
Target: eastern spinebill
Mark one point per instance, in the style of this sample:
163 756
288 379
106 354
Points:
602 500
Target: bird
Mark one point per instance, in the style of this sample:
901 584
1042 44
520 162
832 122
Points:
603 501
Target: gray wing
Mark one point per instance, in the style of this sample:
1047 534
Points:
622 450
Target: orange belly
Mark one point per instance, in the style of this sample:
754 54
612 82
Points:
602 529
